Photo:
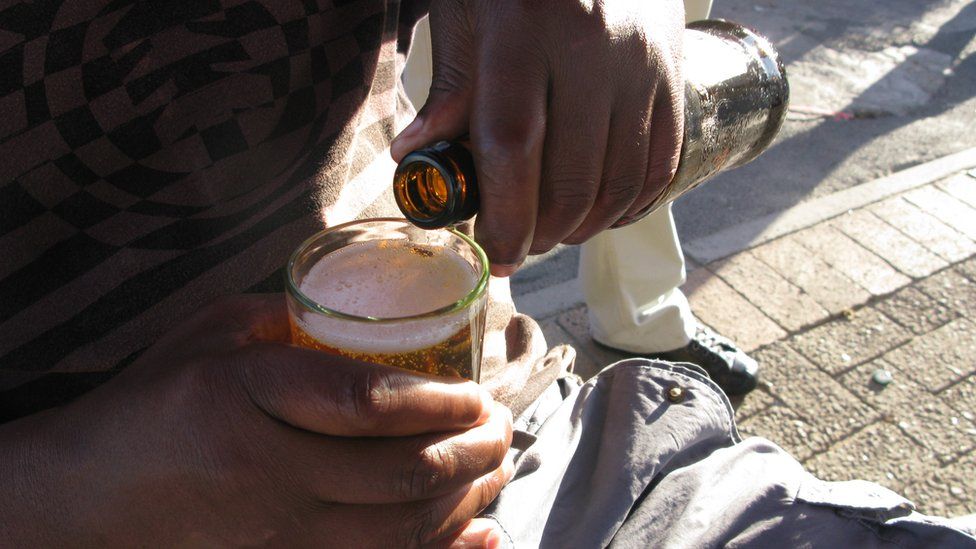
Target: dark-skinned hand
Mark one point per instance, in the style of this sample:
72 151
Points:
224 435
573 108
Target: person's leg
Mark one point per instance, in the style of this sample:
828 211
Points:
631 275
697 9
631 278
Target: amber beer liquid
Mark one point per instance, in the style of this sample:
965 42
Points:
436 360
386 298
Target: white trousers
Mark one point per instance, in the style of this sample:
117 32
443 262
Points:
630 276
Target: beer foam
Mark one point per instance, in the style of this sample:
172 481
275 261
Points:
388 279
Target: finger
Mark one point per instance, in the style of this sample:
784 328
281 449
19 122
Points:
447 514
335 395
624 168
422 523
243 318
478 533
576 138
664 152
507 135
257 317
401 469
444 117
227 324
445 114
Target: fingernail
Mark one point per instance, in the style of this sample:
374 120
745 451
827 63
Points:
487 403
503 270
493 539
411 130
397 146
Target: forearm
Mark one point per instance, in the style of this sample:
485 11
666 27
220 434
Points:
35 508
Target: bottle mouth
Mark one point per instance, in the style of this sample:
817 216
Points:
436 187
423 193
429 187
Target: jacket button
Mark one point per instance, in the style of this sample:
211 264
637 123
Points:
676 394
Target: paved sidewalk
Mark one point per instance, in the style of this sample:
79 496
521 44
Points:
889 285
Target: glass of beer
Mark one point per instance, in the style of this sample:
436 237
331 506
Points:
388 292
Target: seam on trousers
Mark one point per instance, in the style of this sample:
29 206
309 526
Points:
511 540
873 527
847 512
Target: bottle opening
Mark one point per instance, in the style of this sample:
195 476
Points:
422 191
436 187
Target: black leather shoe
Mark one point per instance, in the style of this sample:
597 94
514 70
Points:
729 367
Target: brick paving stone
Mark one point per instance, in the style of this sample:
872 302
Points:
953 289
961 186
916 310
949 210
962 398
775 296
577 324
924 417
828 286
754 403
949 491
719 306
781 425
880 453
935 235
815 396
852 259
941 357
889 243
838 345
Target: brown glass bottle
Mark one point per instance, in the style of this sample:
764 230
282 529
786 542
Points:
736 98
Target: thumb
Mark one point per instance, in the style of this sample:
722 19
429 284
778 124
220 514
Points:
448 107
443 117
226 324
